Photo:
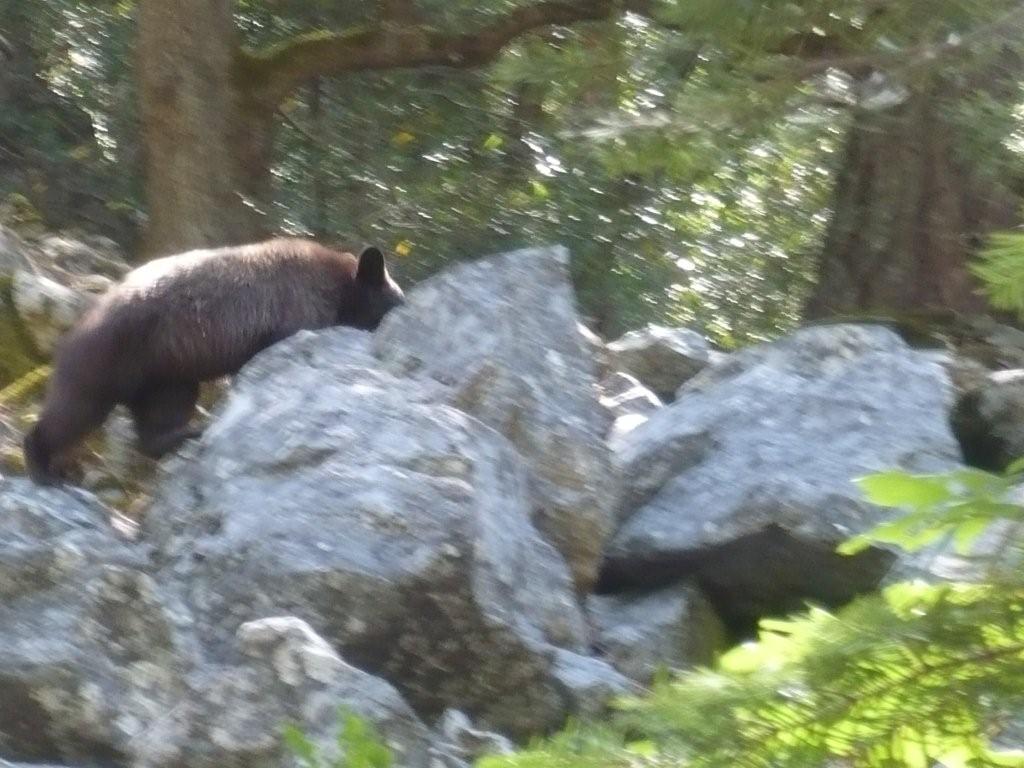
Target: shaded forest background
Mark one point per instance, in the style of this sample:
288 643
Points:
735 165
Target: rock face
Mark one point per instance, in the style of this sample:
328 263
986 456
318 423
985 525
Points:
82 255
672 628
503 333
744 483
288 674
589 683
597 349
91 650
13 252
45 285
55 278
397 526
101 665
662 358
459 743
628 401
47 308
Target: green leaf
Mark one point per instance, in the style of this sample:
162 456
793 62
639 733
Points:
493 142
645 748
300 744
360 744
855 545
967 533
901 489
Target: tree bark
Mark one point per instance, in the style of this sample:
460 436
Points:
208 107
207 145
908 213
52 175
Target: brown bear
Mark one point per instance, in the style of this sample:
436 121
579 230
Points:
184 319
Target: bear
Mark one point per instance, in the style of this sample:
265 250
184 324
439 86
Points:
180 320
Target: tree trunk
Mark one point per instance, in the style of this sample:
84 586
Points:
208 107
908 214
207 143
41 132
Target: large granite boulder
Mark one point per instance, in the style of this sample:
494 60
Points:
642 633
47 308
81 254
662 358
286 674
398 527
502 332
14 252
628 401
93 652
104 665
459 743
745 483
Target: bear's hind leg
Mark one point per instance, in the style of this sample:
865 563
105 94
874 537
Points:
65 420
162 412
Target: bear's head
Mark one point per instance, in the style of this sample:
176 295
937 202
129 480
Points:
375 293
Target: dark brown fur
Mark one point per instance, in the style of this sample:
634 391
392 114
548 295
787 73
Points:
197 316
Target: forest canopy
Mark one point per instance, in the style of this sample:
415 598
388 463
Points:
729 164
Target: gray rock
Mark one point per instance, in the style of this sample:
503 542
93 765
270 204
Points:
459 743
503 333
288 674
590 684
989 420
628 401
101 663
662 358
82 254
46 308
91 669
745 483
943 562
399 528
965 373
598 349
623 394
14 252
672 628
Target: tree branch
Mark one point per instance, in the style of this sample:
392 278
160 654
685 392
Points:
270 75
1005 26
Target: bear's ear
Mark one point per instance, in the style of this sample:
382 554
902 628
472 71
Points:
371 269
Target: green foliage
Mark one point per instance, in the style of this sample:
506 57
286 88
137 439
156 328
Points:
18 354
1001 269
962 504
685 161
358 744
920 675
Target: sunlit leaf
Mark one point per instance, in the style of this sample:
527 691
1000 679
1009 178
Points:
301 746
900 489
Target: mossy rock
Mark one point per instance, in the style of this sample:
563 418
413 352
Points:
922 329
18 355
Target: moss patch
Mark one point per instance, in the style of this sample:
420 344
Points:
18 355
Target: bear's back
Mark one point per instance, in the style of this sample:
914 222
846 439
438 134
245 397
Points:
214 271
205 312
